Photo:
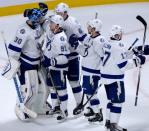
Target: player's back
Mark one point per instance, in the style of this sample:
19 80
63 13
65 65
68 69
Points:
113 61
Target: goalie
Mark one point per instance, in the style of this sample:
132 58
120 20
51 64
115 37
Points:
24 60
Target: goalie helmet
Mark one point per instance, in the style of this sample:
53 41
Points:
62 7
34 15
57 19
116 30
96 23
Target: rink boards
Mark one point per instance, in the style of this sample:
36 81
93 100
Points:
17 7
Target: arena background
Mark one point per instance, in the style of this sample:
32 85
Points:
12 7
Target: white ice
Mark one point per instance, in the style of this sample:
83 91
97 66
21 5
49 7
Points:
133 118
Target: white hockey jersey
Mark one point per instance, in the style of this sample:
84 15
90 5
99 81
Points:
115 62
72 26
25 45
57 47
92 51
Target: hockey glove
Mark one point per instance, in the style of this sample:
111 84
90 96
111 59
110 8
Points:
73 40
139 60
53 61
46 62
138 50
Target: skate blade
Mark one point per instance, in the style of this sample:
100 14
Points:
45 116
77 116
62 121
96 122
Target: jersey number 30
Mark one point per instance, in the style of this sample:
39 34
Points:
106 57
18 40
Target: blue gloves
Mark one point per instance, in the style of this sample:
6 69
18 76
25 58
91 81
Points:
142 59
46 62
73 40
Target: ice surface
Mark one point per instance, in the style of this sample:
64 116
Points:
133 118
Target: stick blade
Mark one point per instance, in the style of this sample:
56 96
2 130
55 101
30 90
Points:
141 20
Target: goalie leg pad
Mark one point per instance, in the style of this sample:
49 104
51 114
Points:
32 85
40 105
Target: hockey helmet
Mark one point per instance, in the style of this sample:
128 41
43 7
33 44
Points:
96 23
57 19
116 30
62 8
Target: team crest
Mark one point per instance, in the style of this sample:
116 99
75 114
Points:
22 31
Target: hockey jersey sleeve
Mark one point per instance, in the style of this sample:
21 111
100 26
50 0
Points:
78 31
125 62
83 47
15 47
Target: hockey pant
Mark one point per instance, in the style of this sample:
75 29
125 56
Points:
90 87
116 96
57 82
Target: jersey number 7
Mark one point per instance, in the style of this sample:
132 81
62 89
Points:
106 57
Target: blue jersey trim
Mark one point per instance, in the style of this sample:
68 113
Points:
123 64
61 66
73 54
14 48
90 70
112 76
29 58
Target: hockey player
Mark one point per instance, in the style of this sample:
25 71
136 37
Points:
56 59
24 55
91 50
115 63
73 31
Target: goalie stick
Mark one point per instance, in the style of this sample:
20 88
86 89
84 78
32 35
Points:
29 112
144 38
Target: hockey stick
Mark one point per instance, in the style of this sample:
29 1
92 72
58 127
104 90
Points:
96 15
133 43
23 107
144 38
81 107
